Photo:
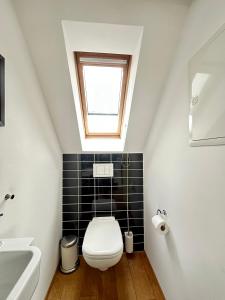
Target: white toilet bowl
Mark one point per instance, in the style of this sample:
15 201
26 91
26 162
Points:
103 244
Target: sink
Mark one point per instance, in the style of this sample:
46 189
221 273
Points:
19 269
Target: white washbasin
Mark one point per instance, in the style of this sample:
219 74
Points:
19 269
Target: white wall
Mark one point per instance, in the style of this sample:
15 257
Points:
187 182
30 157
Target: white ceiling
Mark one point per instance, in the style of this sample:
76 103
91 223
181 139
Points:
41 25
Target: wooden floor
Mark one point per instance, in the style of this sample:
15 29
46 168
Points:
131 279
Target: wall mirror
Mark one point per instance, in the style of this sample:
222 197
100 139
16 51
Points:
207 93
2 91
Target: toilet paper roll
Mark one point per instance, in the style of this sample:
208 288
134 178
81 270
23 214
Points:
129 242
160 224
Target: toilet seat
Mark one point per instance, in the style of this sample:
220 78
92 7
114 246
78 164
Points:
103 243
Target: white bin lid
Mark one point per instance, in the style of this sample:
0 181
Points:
68 241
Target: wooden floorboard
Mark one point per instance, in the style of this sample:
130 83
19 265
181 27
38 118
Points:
124 282
131 279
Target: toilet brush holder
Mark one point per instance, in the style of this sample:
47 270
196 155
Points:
129 241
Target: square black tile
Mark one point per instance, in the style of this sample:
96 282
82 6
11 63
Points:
136 222
135 181
106 157
135 189
136 214
70 182
70 216
70 199
88 173
84 191
70 225
69 157
137 229
135 197
119 214
119 198
103 198
69 232
103 182
103 190
119 181
120 206
86 182
122 222
135 156
81 233
83 224
120 173
139 247
135 173
103 207
86 199
70 174
119 157
86 165
87 216
103 213
70 165
136 205
87 157
138 238
86 207
70 191
135 165
119 190
70 208
118 165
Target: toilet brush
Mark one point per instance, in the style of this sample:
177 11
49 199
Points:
128 237
129 242
128 234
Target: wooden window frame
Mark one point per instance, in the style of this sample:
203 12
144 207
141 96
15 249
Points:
79 71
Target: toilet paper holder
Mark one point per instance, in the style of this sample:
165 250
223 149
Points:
161 212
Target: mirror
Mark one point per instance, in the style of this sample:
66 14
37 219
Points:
2 91
207 93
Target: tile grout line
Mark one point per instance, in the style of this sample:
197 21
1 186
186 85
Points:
100 161
103 203
91 195
111 182
94 189
89 169
101 186
88 178
128 221
105 211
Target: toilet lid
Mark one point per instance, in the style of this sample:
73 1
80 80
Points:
102 237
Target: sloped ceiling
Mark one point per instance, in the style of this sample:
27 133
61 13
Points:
41 24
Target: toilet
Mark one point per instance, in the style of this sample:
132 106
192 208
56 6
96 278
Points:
103 244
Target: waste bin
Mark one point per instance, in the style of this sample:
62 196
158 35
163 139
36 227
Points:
69 253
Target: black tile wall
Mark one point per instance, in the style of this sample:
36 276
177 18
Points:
85 197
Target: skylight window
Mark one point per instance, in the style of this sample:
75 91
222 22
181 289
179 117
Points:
103 80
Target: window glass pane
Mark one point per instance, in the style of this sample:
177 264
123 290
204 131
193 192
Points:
103 123
103 90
